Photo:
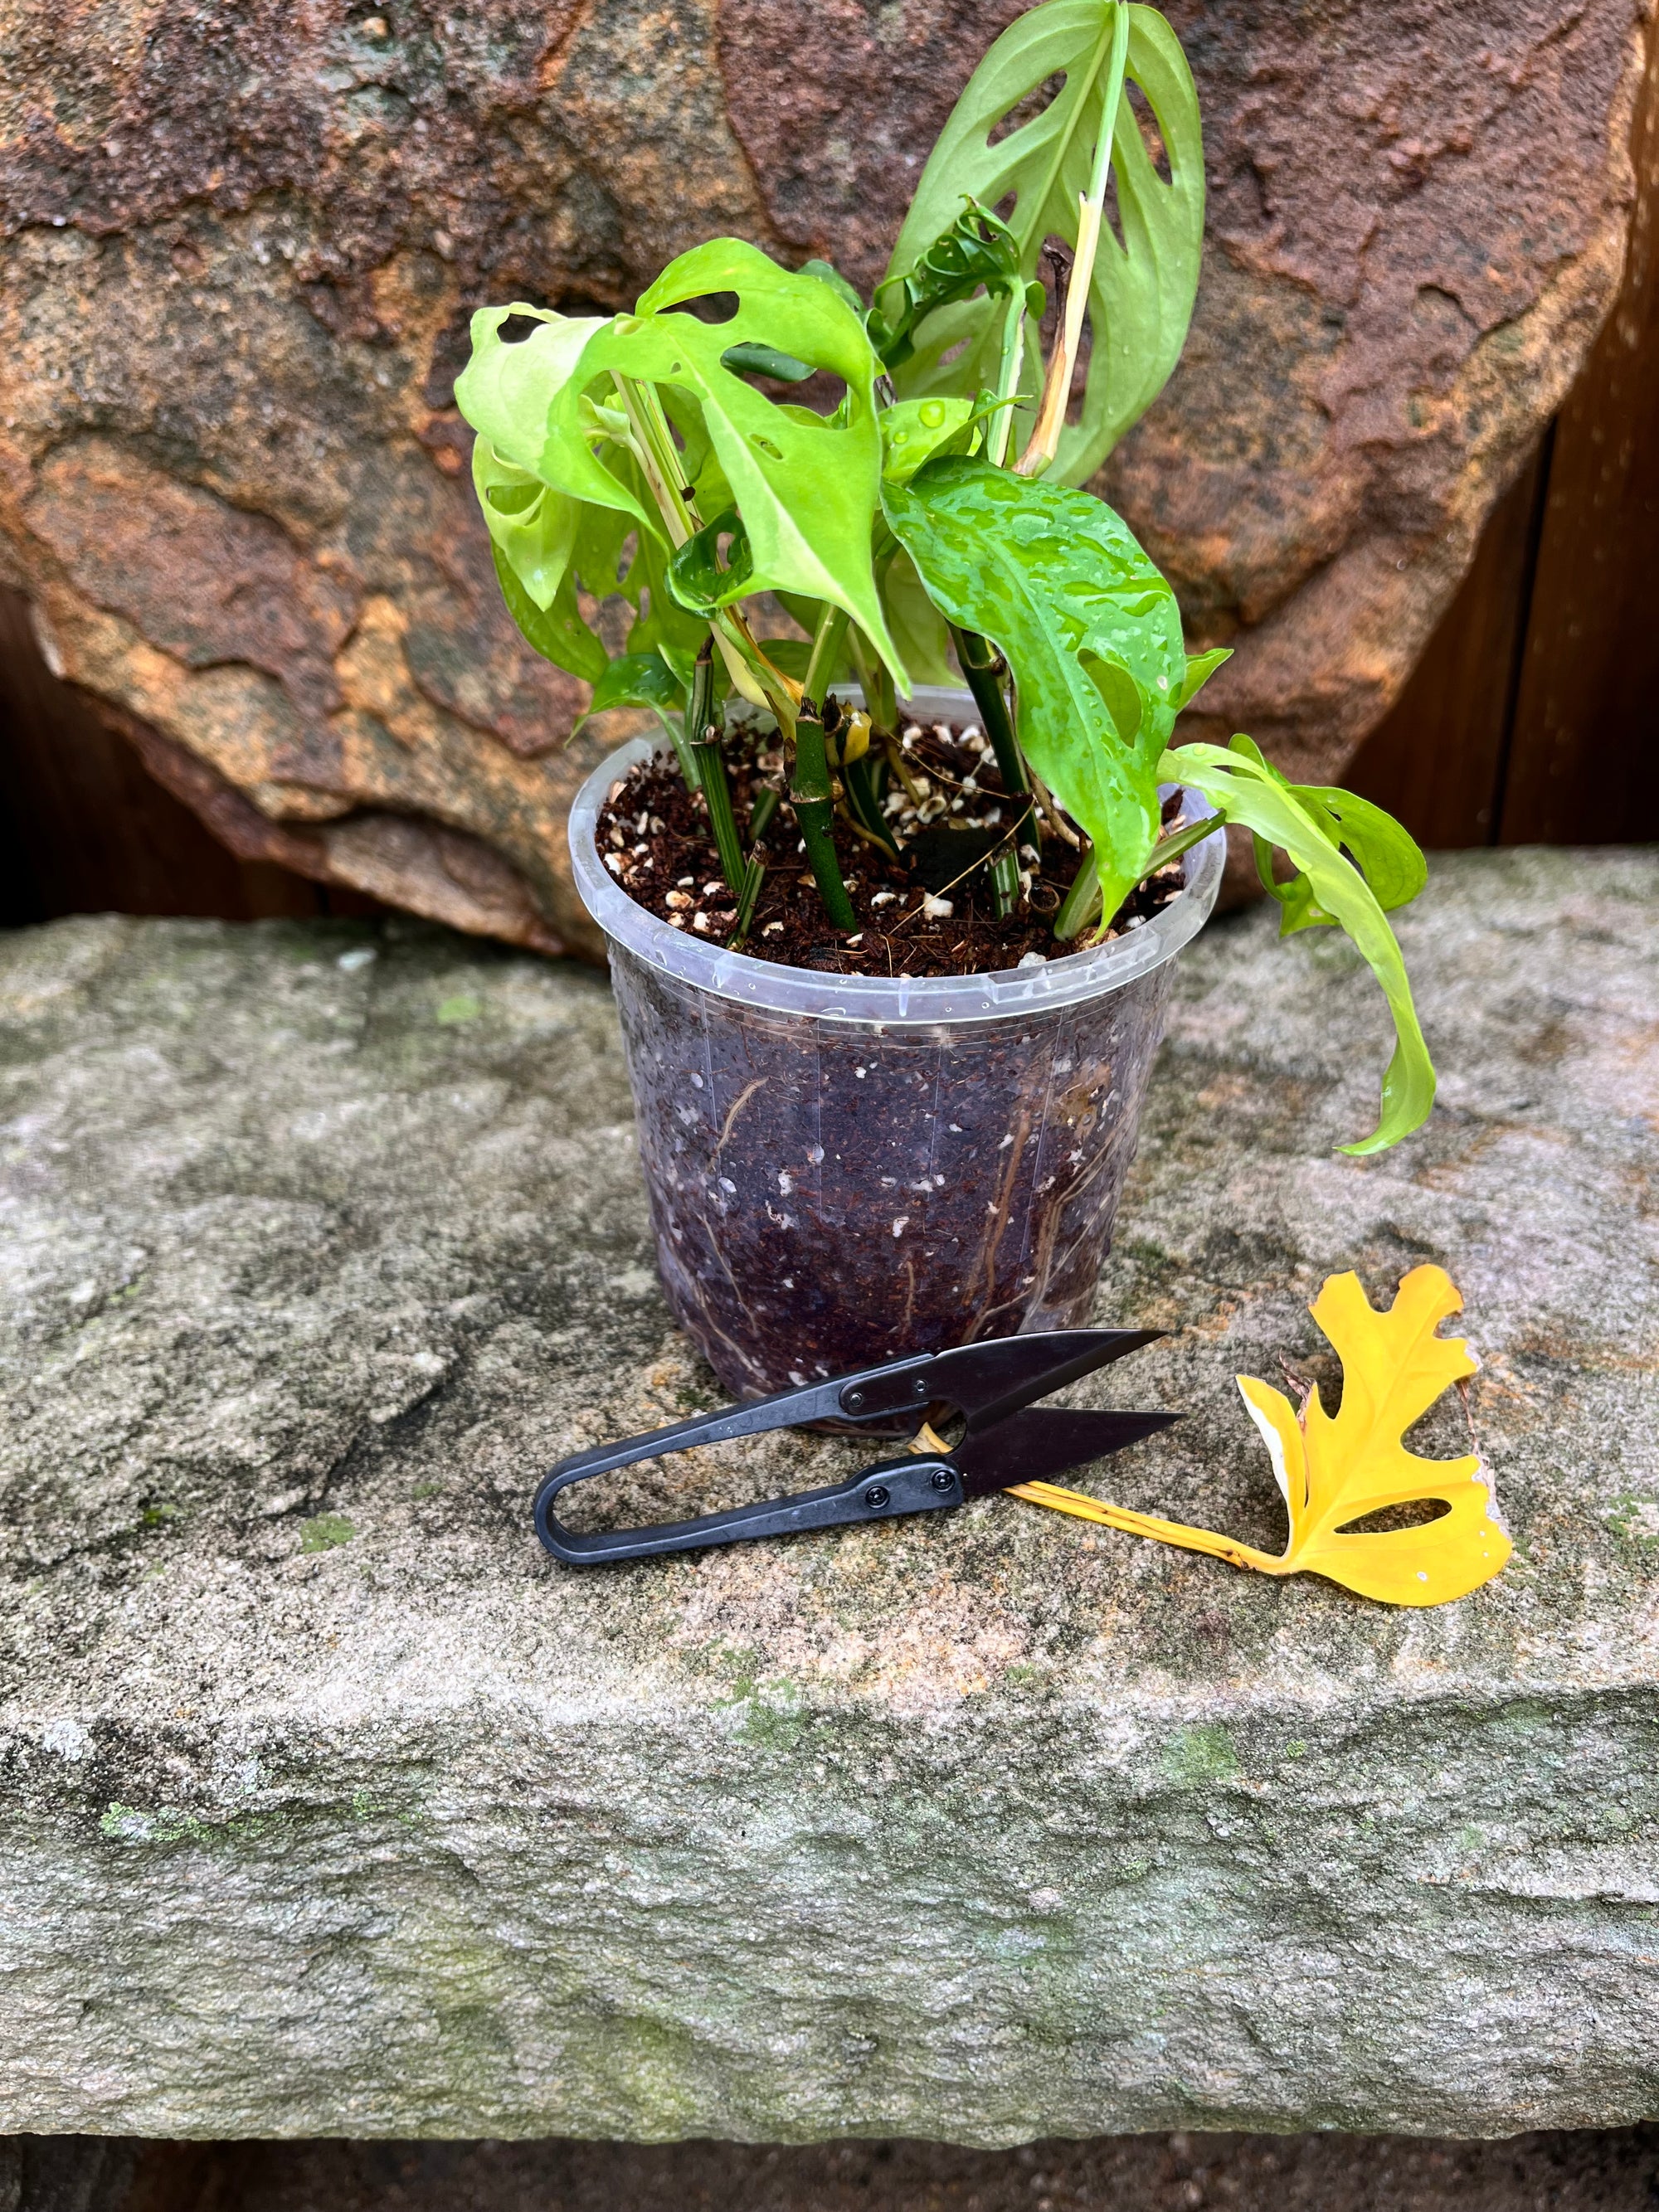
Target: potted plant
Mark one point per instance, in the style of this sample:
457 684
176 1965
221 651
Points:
891 941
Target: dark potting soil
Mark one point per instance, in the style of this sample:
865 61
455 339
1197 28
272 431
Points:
929 911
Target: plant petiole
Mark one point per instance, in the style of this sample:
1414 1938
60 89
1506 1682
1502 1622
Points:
983 667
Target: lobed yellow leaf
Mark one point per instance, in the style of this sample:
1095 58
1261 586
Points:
1335 1472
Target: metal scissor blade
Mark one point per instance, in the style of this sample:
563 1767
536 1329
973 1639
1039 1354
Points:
990 1381
1038 1442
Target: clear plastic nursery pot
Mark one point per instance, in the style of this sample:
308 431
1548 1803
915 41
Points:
842 1168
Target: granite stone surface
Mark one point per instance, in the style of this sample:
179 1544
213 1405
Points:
329 1805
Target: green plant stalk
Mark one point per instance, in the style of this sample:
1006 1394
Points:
704 733
1077 908
827 642
864 801
875 683
753 875
1004 881
982 666
761 813
810 793
1001 425
658 458
699 711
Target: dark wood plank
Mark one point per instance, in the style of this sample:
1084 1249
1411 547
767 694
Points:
1436 758
84 829
1584 759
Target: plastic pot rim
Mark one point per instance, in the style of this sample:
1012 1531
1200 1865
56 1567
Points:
1009 993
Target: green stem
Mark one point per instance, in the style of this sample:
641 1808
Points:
874 681
982 665
704 733
827 641
752 878
699 713
1004 881
1077 908
811 793
1001 427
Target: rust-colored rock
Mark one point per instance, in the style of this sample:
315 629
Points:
241 249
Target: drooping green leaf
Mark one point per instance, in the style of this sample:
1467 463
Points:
1141 295
1384 853
807 486
638 679
1245 789
557 632
660 624
1084 619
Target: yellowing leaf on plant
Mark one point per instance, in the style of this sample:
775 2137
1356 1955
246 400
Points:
1335 1472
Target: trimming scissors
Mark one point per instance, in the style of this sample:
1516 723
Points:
1008 1440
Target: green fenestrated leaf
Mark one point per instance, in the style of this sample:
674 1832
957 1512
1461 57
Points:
1141 294
806 487
1243 788
557 632
1084 619
507 387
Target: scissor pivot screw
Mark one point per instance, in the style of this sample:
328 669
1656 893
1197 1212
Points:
875 1497
918 1387
942 1481
853 1400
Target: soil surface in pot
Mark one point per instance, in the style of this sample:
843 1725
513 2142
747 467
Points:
928 910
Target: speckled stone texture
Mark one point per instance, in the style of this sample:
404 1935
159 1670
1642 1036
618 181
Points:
329 1805
240 248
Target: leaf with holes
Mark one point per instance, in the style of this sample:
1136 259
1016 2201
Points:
807 486
1141 294
1336 1473
1087 624
1244 789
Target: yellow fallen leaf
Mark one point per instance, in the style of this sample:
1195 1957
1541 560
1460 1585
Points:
1334 1472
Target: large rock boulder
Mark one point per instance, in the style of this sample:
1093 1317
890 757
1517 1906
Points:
241 251
329 1805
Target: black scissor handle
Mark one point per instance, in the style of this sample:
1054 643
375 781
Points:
900 1485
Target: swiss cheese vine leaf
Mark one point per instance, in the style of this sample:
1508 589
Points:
1243 788
1335 1473
1141 295
807 486
1087 624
